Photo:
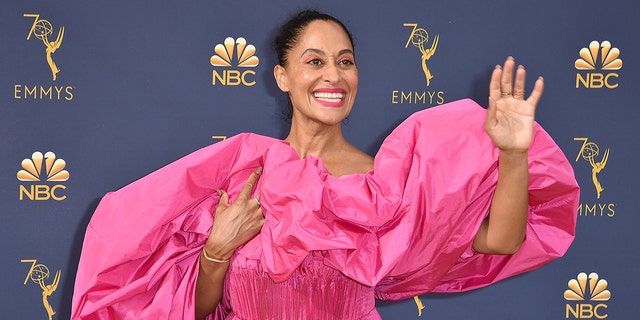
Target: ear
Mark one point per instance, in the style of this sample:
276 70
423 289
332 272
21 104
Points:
280 74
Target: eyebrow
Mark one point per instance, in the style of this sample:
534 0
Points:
322 53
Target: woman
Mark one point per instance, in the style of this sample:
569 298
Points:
335 227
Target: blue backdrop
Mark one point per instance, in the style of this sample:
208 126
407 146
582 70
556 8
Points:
106 92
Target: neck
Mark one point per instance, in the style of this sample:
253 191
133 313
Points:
315 140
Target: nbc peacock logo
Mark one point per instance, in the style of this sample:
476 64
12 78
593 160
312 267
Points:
587 288
43 168
600 55
224 58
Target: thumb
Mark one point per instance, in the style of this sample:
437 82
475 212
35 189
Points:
224 198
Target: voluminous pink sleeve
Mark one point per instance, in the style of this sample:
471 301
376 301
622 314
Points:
447 194
141 248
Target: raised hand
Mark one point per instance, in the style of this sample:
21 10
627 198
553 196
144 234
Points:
235 223
510 117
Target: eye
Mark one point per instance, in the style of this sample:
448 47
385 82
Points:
346 62
315 62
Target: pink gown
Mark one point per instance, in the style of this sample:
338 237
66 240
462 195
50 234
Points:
329 246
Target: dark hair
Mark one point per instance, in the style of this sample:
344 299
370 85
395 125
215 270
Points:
289 33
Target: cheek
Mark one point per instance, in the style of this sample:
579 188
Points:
353 88
307 78
301 82
352 79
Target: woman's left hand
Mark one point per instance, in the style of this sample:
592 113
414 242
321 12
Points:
510 117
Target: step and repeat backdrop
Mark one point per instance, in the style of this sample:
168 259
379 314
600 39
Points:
96 94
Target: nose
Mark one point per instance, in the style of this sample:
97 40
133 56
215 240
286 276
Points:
331 73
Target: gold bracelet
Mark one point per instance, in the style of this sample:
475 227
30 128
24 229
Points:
204 252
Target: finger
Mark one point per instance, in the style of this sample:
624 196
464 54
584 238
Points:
506 81
224 197
223 202
491 114
494 84
518 86
538 88
245 193
256 199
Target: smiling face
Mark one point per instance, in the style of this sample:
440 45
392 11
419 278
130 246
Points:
320 74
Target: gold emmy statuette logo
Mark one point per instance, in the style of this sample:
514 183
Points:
584 288
419 305
589 151
419 37
38 274
42 29
223 57
43 167
588 61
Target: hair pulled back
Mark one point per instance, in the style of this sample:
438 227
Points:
289 33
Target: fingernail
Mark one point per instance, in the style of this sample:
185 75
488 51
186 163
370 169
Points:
219 191
259 170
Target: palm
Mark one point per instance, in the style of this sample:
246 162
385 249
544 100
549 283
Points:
510 118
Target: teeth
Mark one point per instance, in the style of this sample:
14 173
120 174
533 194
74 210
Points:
329 96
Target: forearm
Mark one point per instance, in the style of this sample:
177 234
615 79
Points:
503 231
209 286
234 225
